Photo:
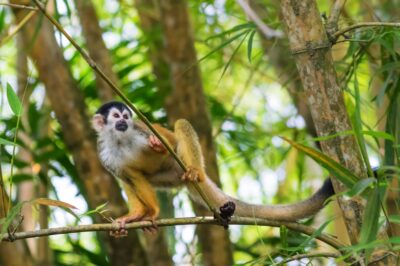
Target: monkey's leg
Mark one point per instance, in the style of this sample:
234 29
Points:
136 212
143 190
189 149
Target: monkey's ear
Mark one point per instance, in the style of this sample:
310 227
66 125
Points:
98 122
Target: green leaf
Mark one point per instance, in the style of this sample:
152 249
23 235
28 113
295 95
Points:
357 121
13 100
369 228
361 186
376 134
222 45
250 45
6 142
394 219
395 240
340 172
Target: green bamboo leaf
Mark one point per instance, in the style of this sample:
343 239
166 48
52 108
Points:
357 121
15 103
394 219
342 173
395 240
222 45
370 225
232 30
250 45
361 186
6 142
376 134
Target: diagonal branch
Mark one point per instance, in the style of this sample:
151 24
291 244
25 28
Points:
96 68
266 31
308 230
19 6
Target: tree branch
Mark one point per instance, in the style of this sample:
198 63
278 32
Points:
19 6
97 69
337 34
17 28
172 222
266 31
310 255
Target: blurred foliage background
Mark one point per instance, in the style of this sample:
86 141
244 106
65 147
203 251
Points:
252 97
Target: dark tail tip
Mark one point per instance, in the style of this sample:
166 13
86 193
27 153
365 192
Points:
327 188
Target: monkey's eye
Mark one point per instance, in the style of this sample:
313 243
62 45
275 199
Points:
116 115
125 116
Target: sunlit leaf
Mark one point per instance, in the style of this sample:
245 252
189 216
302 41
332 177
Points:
56 203
357 121
15 103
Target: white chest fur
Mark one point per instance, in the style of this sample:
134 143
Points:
117 149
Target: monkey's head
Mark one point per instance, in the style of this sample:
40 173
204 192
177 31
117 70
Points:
113 117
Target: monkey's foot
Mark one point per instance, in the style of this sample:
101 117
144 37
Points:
122 221
151 229
193 174
156 144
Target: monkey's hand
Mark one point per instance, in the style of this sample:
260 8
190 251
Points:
156 144
193 174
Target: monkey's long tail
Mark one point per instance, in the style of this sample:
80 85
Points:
279 212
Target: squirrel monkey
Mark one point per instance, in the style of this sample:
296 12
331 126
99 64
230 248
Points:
130 151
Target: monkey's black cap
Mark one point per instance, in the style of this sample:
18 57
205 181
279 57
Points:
105 108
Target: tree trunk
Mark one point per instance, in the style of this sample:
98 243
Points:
312 53
187 100
96 47
279 57
68 105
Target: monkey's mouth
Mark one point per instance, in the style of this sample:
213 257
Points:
121 126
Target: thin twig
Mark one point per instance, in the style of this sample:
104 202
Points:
97 69
266 31
177 221
17 28
19 6
310 255
339 33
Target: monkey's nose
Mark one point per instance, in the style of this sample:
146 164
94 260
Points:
121 125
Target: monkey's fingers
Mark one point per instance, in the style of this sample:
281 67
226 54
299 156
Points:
156 144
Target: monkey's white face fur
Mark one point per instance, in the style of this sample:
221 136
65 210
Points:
119 141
